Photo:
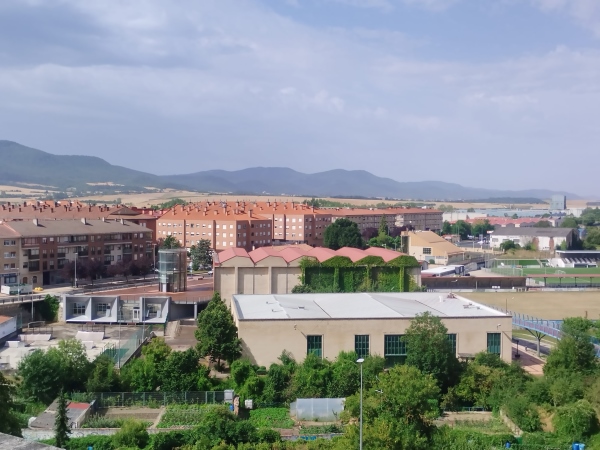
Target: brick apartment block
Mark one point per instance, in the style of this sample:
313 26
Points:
67 209
34 251
251 225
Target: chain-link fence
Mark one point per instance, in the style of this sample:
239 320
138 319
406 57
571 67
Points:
150 399
123 351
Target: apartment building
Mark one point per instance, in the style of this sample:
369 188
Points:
35 251
430 247
368 220
69 210
247 225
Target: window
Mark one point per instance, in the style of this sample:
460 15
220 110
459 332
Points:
314 345
10 242
78 309
452 339
427 250
493 343
102 307
361 345
34 279
394 349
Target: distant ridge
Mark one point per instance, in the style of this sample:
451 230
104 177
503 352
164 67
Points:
21 164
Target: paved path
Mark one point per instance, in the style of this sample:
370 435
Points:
528 361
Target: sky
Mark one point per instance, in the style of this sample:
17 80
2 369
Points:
502 94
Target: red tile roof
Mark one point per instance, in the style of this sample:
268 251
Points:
294 252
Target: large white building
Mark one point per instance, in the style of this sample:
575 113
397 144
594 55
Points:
542 238
368 323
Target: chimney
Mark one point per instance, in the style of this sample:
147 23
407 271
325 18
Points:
122 221
36 222
84 221
103 219
250 213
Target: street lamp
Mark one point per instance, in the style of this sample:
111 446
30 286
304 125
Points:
361 361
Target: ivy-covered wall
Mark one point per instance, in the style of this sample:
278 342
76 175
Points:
370 274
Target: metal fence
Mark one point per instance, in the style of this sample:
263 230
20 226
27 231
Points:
150 399
123 351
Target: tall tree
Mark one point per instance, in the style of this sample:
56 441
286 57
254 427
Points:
169 242
61 423
482 227
201 254
400 410
94 269
574 353
342 233
383 228
217 334
9 422
569 222
144 265
104 376
429 349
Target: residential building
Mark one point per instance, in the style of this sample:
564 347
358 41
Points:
34 251
367 323
396 219
247 225
541 238
251 225
276 270
69 210
429 246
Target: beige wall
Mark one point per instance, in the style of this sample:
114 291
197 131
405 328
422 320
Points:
229 281
263 341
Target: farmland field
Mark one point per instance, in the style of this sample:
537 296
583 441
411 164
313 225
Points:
545 305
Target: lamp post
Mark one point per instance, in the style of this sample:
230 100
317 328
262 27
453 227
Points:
361 361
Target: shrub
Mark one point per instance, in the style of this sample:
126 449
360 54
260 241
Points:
575 421
523 413
268 435
132 434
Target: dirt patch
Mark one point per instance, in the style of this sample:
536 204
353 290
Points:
544 305
148 414
450 418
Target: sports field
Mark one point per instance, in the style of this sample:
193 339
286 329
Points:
544 305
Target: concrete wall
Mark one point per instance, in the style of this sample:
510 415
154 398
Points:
264 348
9 327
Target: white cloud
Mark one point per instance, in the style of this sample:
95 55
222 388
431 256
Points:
586 12
237 85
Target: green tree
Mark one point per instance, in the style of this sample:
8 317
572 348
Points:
104 377
569 222
430 351
61 423
574 353
576 421
446 227
180 371
592 237
132 434
169 242
217 334
145 374
44 374
482 227
463 229
383 228
94 269
9 422
400 409
201 254
543 224
342 233
509 245
48 309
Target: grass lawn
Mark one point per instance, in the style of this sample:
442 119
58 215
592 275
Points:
545 305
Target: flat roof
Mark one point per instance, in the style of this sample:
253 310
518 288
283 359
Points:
376 305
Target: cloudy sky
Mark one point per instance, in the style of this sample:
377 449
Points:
494 93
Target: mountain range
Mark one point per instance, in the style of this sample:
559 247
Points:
21 164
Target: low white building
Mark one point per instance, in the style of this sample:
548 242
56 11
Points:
542 238
8 326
